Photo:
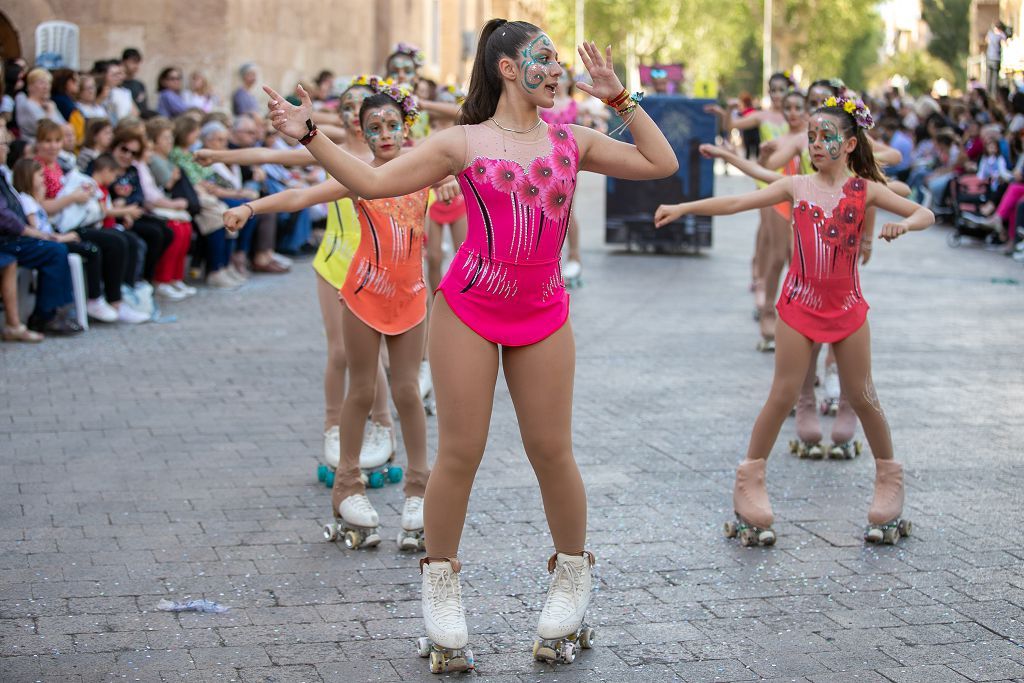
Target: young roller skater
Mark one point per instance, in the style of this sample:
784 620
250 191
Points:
383 294
821 301
504 297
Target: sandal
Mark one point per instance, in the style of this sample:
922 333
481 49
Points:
22 334
270 266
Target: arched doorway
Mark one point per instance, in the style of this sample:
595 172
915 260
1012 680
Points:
10 45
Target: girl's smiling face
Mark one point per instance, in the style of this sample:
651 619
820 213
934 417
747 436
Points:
384 130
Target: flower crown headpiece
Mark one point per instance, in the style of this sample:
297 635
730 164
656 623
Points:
366 80
855 108
454 92
409 50
402 94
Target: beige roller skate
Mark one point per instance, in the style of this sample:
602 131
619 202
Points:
830 404
885 524
844 446
444 618
766 322
561 633
355 522
754 516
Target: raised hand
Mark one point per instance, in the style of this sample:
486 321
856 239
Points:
666 213
286 117
606 84
236 218
711 151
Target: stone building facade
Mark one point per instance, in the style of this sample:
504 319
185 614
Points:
289 40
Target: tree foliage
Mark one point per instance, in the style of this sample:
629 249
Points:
949 23
721 39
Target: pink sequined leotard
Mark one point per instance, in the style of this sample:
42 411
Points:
821 297
505 282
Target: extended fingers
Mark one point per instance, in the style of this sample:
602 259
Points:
587 62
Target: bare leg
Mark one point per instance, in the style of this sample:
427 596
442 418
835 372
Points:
435 253
773 254
334 374
404 351
465 369
9 295
540 380
853 355
792 357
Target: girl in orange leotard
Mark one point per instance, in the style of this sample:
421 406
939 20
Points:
822 302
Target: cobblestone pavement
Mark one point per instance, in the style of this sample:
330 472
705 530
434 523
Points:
178 460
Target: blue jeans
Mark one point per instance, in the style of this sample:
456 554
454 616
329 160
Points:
218 250
244 240
50 261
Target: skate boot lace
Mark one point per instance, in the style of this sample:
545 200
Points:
413 505
563 596
445 596
362 504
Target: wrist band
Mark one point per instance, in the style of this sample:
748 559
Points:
313 130
618 99
252 211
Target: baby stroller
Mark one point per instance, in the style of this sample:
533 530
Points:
968 194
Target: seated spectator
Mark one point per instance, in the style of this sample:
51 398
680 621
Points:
131 62
64 94
948 160
98 134
54 312
47 149
200 94
86 98
243 101
113 96
14 80
225 183
35 104
170 102
14 330
245 133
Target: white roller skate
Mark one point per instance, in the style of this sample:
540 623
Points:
332 456
844 447
808 428
356 522
410 537
427 388
884 522
377 457
830 404
560 631
754 516
572 274
444 618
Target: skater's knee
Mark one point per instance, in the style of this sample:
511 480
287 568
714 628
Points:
549 454
361 394
406 395
784 394
336 359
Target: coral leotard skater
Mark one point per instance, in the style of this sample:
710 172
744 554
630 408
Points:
821 297
340 242
505 282
384 286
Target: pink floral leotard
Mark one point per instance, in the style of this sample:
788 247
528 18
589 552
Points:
505 282
821 296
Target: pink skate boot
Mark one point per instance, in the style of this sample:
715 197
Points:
754 515
808 427
884 522
844 447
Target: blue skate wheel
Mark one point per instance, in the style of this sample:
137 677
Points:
321 473
394 474
329 480
376 480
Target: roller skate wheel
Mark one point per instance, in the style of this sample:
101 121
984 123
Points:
321 473
542 652
873 535
730 529
376 480
436 662
766 538
587 638
748 538
857 447
363 478
815 452
423 647
905 527
353 539
794 448
394 474
330 532
568 652
329 480
891 535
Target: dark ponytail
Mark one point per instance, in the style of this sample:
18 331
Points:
498 38
862 159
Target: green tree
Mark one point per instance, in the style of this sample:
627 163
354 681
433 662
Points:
919 67
948 21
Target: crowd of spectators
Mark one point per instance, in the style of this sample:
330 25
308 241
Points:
98 165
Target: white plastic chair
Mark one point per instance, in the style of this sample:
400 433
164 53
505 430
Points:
58 38
78 287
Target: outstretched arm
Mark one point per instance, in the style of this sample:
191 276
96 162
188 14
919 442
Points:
649 157
430 162
779 191
748 167
915 216
884 154
287 201
250 156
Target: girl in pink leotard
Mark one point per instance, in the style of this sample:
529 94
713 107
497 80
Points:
821 302
504 298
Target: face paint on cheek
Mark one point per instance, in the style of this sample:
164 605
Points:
833 139
533 67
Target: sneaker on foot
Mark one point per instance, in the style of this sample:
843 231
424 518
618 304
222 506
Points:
184 289
99 309
127 314
222 280
165 290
